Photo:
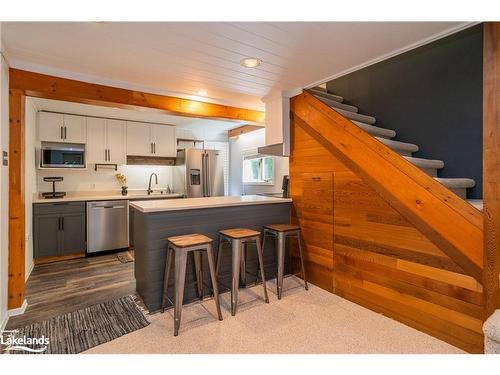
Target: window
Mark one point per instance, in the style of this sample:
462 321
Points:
258 169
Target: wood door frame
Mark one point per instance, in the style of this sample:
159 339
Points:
24 83
491 161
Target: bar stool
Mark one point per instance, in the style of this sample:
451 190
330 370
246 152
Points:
281 232
179 247
239 238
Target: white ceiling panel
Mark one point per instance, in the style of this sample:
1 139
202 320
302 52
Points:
184 58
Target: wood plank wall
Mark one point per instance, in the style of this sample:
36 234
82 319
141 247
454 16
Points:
359 247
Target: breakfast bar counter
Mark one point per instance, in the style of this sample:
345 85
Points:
156 220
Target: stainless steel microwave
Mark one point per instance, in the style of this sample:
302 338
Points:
62 155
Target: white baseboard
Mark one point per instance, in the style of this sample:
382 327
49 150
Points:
4 322
32 265
19 310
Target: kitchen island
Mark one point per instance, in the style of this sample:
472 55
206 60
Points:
155 221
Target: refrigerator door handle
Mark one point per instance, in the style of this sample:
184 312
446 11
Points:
209 180
204 173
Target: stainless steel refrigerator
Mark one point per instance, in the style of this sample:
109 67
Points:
199 173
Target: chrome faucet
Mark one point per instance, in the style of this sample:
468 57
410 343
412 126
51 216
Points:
156 182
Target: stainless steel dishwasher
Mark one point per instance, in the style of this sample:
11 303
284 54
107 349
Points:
107 225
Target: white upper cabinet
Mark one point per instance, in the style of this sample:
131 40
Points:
56 127
50 127
106 141
139 139
164 140
96 145
75 130
116 138
151 139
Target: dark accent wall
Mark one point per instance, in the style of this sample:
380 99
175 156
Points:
431 96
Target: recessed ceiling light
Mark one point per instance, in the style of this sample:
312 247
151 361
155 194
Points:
202 92
251 62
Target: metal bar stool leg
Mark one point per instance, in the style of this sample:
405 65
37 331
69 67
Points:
264 235
213 277
299 240
197 256
180 277
236 264
166 276
261 266
243 262
219 255
281 262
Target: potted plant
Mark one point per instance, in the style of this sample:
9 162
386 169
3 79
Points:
122 180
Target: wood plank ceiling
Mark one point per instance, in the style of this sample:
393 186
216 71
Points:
191 58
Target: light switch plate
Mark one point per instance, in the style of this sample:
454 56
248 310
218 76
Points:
5 158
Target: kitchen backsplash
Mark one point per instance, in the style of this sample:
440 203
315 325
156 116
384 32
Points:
104 179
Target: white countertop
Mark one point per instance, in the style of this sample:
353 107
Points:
209 202
75 196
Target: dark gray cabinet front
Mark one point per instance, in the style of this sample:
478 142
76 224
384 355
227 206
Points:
72 233
58 229
46 236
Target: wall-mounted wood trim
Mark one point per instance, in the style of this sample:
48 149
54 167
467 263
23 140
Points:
491 165
45 86
242 130
449 222
16 200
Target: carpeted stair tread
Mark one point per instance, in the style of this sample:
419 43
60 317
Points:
357 116
478 203
327 95
456 183
376 130
335 104
399 146
425 163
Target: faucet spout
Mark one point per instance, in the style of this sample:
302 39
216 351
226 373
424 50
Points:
156 182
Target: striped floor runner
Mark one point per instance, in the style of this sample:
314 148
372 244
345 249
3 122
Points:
83 329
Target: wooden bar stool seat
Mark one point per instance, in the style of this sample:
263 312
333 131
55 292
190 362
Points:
239 238
177 249
189 240
281 232
282 227
239 233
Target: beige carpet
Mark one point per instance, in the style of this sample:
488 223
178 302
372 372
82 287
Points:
313 321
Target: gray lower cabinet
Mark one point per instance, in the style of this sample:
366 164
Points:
58 229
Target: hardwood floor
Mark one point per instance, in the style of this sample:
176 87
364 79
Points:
59 288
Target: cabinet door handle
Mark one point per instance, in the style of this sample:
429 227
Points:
65 132
316 178
154 148
62 136
58 223
109 154
62 223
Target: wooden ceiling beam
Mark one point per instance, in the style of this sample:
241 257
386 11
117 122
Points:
50 87
243 129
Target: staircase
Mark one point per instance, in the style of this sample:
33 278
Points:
458 185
